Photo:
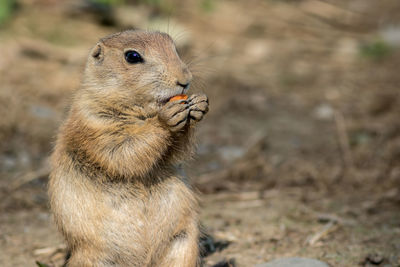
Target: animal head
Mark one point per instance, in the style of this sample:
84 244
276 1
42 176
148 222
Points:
136 66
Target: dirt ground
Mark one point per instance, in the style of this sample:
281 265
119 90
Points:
298 156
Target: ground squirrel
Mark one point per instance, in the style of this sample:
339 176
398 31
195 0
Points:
115 191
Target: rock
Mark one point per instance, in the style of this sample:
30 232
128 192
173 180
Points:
293 262
373 259
391 35
231 153
324 112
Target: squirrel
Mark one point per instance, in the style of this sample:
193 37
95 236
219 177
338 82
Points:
116 190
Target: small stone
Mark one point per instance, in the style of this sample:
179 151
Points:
374 258
231 153
391 35
293 262
323 112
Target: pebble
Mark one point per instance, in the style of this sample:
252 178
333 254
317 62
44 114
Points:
391 35
324 112
293 262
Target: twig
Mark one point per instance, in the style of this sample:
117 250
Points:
29 176
326 217
333 218
343 140
250 195
49 250
328 228
346 9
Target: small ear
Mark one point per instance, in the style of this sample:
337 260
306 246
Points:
97 52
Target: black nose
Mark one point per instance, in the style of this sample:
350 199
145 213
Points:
184 85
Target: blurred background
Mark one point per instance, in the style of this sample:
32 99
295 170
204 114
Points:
298 156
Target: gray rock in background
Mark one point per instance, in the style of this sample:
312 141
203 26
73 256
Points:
391 35
293 262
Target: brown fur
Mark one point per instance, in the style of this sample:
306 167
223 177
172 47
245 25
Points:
115 189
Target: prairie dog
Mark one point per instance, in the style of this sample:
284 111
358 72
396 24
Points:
115 191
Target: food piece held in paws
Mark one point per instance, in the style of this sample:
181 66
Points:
178 97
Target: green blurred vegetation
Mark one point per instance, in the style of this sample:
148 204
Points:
207 5
39 264
159 6
108 2
375 50
6 9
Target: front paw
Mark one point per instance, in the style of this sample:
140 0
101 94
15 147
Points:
174 115
198 106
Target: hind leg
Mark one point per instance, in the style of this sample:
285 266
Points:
184 250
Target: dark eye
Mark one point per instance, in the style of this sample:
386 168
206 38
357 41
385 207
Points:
133 57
